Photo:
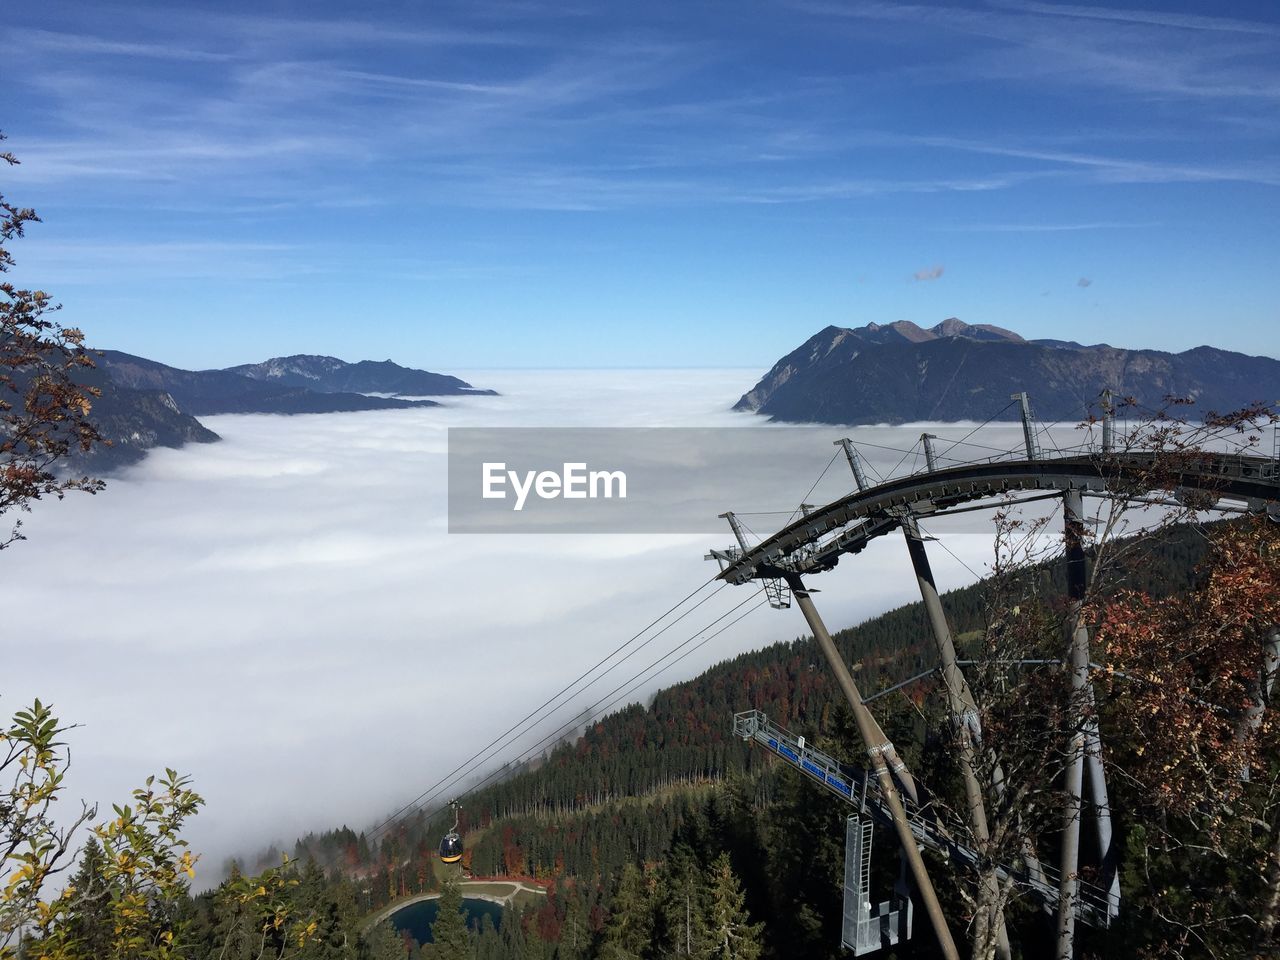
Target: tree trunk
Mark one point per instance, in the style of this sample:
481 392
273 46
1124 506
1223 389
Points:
990 914
1271 909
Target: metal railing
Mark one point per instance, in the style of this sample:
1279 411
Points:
856 786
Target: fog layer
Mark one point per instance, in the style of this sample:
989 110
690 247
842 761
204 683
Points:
283 616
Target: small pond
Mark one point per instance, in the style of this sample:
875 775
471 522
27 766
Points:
416 918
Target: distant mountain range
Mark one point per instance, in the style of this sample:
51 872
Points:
900 372
147 404
299 384
331 375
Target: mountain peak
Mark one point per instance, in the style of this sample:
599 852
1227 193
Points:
954 327
331 375
906 331
899 373
909 331
305 366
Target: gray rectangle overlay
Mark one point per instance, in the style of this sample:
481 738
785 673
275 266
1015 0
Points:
668 480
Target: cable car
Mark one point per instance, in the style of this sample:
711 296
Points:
451 844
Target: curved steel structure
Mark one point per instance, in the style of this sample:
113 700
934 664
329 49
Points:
816 541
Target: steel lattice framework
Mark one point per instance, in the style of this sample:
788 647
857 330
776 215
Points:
816 541
820 537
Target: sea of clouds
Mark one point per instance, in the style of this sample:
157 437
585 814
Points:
283 616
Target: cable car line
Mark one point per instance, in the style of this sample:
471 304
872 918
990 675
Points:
549 706
631 684
598 712
505 738
984 423
806 497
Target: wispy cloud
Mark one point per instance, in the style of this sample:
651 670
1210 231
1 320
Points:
87 262
1118 169
1043 227
56 42
286 109
171 156
1074 46
196 126
267 33
846 189
261 119
1181 21
929 273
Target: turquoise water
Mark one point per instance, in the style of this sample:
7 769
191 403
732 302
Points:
417 918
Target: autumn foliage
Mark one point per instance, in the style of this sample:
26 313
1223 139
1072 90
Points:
44 410
1186 672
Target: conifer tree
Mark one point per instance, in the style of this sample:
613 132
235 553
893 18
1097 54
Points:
513 938
575 934
630 931
451 940
684 905
732 934
488 941
535 947
806 856
328 909
383 942
233 935
89 921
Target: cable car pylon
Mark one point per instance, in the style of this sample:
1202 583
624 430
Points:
961 706
886 764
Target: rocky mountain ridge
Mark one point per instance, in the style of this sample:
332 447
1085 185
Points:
134 420
900 373
145 403
331 375
206 393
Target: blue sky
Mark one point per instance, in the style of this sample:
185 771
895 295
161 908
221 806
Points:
664 184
